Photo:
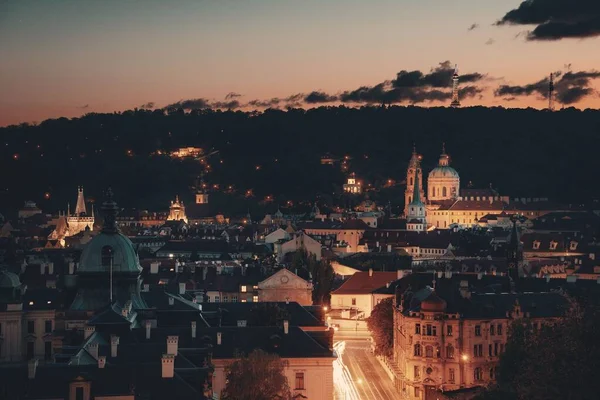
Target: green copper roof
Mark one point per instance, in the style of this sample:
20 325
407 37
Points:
124 257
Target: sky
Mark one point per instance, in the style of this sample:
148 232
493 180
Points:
71 57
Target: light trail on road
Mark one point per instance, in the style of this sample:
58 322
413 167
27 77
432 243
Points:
344 385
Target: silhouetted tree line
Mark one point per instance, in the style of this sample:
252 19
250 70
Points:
522 152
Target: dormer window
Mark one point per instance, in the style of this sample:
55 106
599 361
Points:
536 245
553 245
107 256
573 245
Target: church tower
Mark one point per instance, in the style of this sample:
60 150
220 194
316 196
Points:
412 174
455 101
201 195
415 217
514 255
177 211
80 208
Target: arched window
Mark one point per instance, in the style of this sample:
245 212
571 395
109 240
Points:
417 350
477 374
107 256
429 351
444 191
411 181
450 352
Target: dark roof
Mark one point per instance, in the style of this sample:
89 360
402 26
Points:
365 282
233 312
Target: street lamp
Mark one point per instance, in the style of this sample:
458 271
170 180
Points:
465 357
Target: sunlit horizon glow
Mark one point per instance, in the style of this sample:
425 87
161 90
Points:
68 58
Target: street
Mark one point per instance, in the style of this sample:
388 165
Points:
358 375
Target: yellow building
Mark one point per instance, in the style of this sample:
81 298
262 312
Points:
177 211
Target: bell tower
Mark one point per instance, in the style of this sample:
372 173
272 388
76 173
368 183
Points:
413 173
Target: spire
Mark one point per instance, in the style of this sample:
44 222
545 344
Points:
80 207
444 158
110 210
443 148
551 93
455 93
68 209
416 190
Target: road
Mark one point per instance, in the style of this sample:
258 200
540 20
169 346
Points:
359 375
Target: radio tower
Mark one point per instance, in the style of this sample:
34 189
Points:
455 102
551 93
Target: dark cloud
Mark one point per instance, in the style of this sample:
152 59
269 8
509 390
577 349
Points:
232 95
229 105
509 98
569 88
319 97
473 27
490 41
83 107
269 103
438 77
556 19
147 106
191 104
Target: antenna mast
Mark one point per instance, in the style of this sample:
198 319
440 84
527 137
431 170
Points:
111 279
551 93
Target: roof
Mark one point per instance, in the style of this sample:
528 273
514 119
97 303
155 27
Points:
124 257
365 282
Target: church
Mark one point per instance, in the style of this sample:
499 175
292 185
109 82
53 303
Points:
444 204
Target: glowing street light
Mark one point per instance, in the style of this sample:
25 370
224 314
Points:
465 357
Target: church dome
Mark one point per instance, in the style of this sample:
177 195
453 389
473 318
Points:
433 303
110 247
443 172
9 280
103 248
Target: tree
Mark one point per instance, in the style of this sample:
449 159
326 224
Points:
267 314
259 376
322 279
556 361
381 325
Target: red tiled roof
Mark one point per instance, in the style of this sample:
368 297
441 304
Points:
362 283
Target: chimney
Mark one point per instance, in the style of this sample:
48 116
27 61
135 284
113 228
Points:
93 350
370 272
377 244
219 338
172 342
464 290
479 276
51 268
204 273
171 300
31 367
114 345
87 331
286 326
194 329
148 329
389 248
168 365
71 268
181 287
547 278
146 287
154 267
42 268
101 361
440 274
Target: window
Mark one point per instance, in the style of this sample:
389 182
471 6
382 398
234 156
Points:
417 392
299 380
430 330
478 350
496 349
499 330
48 327
553 245
233 299
417 329
477 374
451 376
255 299
492 330
449 330
536 245
106 256
30 347
450 352
30 326
47 350
493 373
429 351
490 350
255 287
417 350
244 289
217 299
354 301
417 372
477 330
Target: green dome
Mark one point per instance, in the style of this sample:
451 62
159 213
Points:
443 172
8 280
98 253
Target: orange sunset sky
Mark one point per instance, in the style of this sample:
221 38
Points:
71 57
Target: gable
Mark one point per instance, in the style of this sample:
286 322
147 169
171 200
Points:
284 279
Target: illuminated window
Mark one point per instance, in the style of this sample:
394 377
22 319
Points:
244 289
536 245
553 245
573 246
255 299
